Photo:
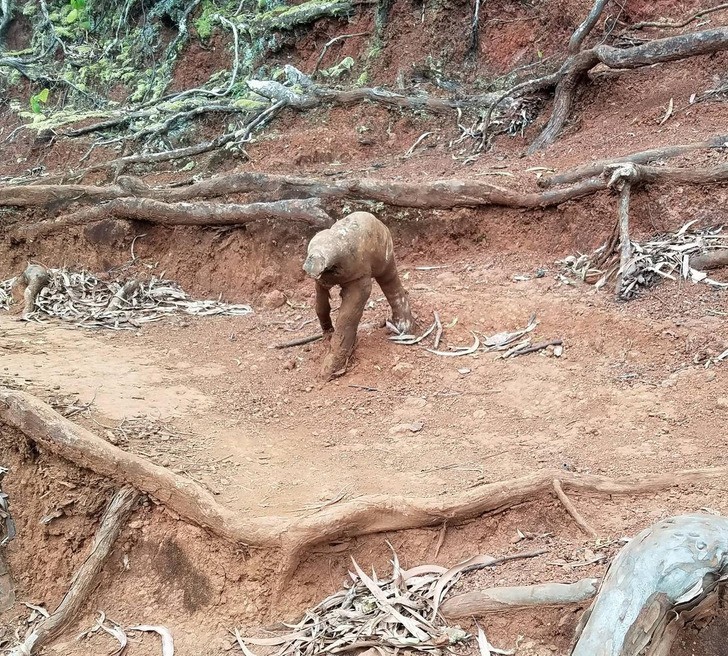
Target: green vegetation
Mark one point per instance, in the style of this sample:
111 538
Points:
38 99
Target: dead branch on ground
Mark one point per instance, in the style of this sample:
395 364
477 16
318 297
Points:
362 516
201 213
643 157
84 579
621 179
498 600
668 575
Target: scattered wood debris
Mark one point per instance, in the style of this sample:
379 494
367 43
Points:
664 256
119 633
503 341
400 612
89 302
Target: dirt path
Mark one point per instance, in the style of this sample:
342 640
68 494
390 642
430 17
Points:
251 424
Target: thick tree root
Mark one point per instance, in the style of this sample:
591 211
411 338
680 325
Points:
498 600
575 68
307 211
366 515
85 578
666 576
293 198
644 157
315 96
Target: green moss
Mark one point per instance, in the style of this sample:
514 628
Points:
30 8
204 24
248 104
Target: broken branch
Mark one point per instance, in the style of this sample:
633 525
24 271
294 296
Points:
497 600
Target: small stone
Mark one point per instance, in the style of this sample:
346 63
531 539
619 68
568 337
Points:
403 429
290 365
415 402
464 371
274 299
402 369
710 376
668 383
722 403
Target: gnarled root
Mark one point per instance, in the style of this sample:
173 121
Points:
665 577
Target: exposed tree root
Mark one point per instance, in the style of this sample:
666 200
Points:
675 25
200 213
571 509
642 157
498 600
314 96
439 194
574 70
436 194
84 579
365 515
587 25
666 576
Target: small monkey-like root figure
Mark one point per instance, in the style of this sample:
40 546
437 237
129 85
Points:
33 279
349 254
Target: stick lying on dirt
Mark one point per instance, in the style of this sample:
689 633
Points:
84 579
497 600
666 576
300 341
362 516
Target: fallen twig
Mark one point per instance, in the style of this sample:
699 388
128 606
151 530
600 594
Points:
536 347
300 341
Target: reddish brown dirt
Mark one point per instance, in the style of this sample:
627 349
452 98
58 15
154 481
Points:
630 396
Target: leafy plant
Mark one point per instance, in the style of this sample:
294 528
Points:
38 99
78 14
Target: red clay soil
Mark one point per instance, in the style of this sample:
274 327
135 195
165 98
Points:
630 396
